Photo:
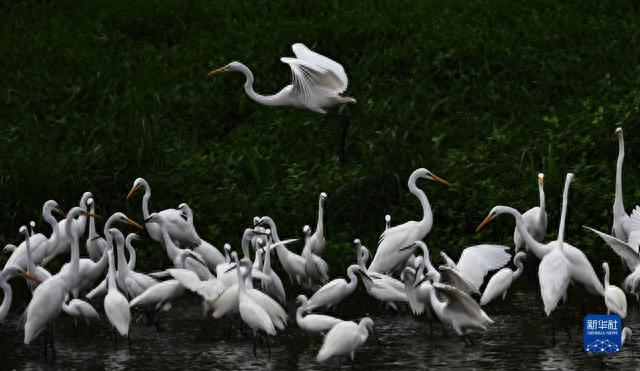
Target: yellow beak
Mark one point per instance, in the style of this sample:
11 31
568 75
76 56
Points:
132 191
217 70
133 223
484 222
440 180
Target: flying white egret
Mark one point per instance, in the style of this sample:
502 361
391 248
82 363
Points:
501 281
344 338
614 298
50 295
116 305
313 322
79 226
39 272
177 225
335 291
535 220
40 245
318 82
96 245
475 262
388 256
457 309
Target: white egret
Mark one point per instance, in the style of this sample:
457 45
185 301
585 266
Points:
474 264
79 309
274 286
7 273
38 272
79 226
631 258
318 82
317 241
501 281
291 262
211 255
50 295
315 268
177 225
535 220
457 309
159 296
388 256
335 291
621 222
40 245
362 256
344 338
313 322
116 305
614 298
417 293
95 245
384 292
131 283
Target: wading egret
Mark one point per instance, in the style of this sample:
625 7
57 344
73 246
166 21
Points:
177 225
78 225
313 322
344 338
501 281
335 291
535 220
116 305
621 222
388 256
614 298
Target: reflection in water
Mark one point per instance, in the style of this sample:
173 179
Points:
520 338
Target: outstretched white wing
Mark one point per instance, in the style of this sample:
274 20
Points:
311 57
476 261
621 248
634 229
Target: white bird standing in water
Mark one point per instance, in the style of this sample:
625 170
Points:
344 338
535 220
389 254
336 290
614 298
318 82
503 279
313 322
622 226
177 226
116 305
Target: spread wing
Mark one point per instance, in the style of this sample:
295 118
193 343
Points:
461 301
208 289
634 229
311 57
621 248
476 261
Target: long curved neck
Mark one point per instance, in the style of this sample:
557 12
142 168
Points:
298 313
542 203
132 257
519 266
75 255
53 240
241 285
246 239
427 215
111 275
618 204
353 280
92 223
266 266
268 100
436 304
145 200
30 266
563 216
122 262
606 276
320 225
535 246
274 230
170 247
6 301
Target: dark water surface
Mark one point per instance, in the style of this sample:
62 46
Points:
519 339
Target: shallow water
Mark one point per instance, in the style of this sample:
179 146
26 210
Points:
520 338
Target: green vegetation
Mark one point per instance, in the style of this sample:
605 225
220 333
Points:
485 94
